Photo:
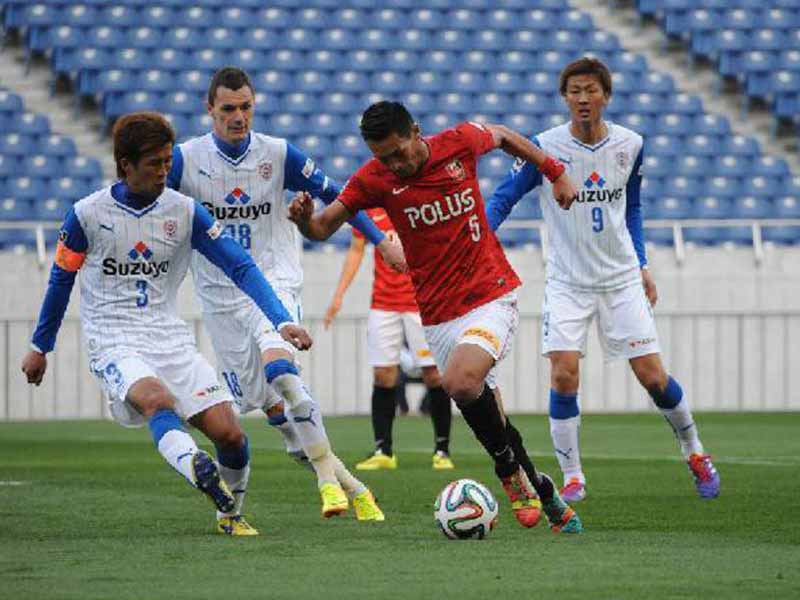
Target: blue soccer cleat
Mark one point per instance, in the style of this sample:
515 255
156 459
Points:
208 481
706 478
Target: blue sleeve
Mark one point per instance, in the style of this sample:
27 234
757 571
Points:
633 209
224 252
521 179
59 287
176 172
301 174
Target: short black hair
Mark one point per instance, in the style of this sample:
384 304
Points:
384 118
137 134
586 66
232 78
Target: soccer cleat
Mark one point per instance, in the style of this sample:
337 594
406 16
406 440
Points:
367 508
574 490
235 526
524 502
378 461
706 478
561 517
208 481
334 500
442 461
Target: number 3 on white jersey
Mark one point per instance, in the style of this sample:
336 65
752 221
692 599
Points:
474 228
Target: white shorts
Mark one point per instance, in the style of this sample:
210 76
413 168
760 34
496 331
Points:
386 333
239 338
185 372
491 326
625 321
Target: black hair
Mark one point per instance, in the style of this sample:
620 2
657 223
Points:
384 118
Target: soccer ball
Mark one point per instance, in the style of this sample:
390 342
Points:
465 509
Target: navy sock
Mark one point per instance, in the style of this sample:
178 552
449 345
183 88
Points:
234 458
442 417
483 417
383 408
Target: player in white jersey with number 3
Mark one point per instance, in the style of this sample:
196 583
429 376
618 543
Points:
241 176
132 243
597 267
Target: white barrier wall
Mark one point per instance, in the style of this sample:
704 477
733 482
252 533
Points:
729 330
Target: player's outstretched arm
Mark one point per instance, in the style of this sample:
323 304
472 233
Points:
238 265
319 226
521 179
517 145
352 262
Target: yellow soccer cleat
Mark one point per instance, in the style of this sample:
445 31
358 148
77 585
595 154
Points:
378 461
366 507
334 500
235 526
442 461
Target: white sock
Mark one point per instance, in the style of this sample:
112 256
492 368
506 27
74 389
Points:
307 423
565 434
236 479
682 423
351 485
177 447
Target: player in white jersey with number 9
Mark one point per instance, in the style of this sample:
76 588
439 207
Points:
241 176
132 243
597 267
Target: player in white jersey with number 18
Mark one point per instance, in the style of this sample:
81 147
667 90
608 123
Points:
241 176
597 267
132 243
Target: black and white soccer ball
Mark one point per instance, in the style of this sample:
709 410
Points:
465 509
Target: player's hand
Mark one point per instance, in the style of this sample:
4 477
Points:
392 252
564 192
649 287
296 336
333 310
301 208
34 365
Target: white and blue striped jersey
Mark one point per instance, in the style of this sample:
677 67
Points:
132 255
597 244
244 188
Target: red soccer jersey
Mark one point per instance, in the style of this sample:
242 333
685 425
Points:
455 260
390 290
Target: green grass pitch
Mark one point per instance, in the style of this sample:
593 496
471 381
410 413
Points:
90 510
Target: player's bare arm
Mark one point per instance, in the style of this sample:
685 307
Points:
517 145
296 336
34 366
649 286
392 251
352 262
319 226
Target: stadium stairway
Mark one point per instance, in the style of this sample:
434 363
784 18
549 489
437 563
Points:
34 85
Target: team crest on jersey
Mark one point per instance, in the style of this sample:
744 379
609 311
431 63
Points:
140 249
170 228
215 230
308 168
456 170
265 170
623 159
238 195
595 179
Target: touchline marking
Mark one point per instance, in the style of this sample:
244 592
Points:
10 483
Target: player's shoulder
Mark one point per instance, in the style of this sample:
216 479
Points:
201 142
260 140
173 197
93 199
624 135
557 134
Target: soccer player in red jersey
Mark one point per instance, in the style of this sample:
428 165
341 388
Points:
465 285
393 321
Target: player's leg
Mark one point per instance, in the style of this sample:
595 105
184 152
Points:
278 419
565 422
440 403
667 395
384 341
566 316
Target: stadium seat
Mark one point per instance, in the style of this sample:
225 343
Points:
759 185
430 82
16 209
683 187
535 104
417 39
455 103
731 45
157 16
492 103
674 124
419 104
722 187
452 40
527 125
325 124
464 19
741 145
315 145
770 166
68 189
784 235
17 240
708 124
731 166
693 166
42 166
785 87
494 165
80 15
25 189
757 67
306 103
11 103
57 145
16 145
30 124
389 83
10 165
119 16
702 145
197 17
787 207
404 61
443 61
170 59
351 146
658 166
669 208
752 207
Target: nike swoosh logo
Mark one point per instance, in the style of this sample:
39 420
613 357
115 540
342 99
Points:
107 227
378 219
397 191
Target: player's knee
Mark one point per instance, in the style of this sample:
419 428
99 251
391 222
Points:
653 380
386 377
431 377
462 386
152 400
564 380
230 437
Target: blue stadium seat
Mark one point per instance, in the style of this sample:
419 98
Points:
785 235
30 124
11 103
419 104
664 145
492 103
16 145
14 209
184 38
575 20
731 166
430 82
235 17
467 82
155 80
452 40
307 103
535 19
465 19
350 18
731 45
51 209
417 39
80 15
499 20
157 16
674 124
57 145
780 19
454 103
641 124
789 60
340 167
350 145
701 25
785 85
762 186
494 165
738 19
261 38
669 208
723 187
529 103
10 165
17 241
684 104
426 19
527 125
702 145
274 18
374 39
404 61
684 187
315 145
325 60
490 40
553 61
147 38
170 59
742 145
757 67
361 60
652 188
119 16
68 189
708 124
515 61
693 166
435 122
42 166
197 124
660 236
325 124
627 62
769 40
339 103
197 17
134 101
442 61
752 207
209 59
286 125
25 189
389 18
658 166
389 83
602 42
787 207
770 166
32 15
221 38
274 81
505 82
